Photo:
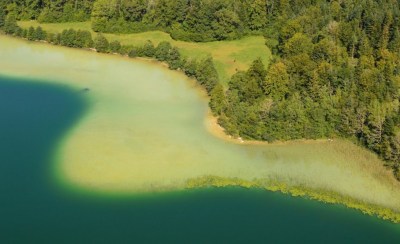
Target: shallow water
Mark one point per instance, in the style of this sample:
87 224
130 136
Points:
34 209
141 127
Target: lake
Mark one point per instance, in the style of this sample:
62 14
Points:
42 117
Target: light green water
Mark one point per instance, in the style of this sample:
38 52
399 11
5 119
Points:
35 209
145 131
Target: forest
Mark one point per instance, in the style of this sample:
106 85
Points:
205 20
335 70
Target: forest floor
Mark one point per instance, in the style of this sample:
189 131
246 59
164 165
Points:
229 56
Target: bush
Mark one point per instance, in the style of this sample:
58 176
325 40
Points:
133 53
162 51
149 49
101 44
115 47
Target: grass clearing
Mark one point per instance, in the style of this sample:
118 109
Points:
229 56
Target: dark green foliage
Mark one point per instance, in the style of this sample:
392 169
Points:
24 33
40 34
31 34
101 44
19 32
2 17
115 47
10 24
248 86
49 10
174 59
190 68
64 11
68 38
73 38
162 51
149 49
206 74
217 99
84 39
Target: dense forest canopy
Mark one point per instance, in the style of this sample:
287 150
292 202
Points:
50 10
335 70
193 20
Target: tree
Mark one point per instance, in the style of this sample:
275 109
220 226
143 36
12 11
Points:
276 85
207 74
227 24
31 34
84 39
134 10
217 99
103 11
374 131
298 44
257 70
10 25
40 34
256 14
101 44
68 38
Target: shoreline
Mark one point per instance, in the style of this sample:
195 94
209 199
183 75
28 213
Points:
211 125
324 196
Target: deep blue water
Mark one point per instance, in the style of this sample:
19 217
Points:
35 208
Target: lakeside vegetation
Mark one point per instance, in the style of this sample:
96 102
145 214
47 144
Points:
320 195
335 71
228 56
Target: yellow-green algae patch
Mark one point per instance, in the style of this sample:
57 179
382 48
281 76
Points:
146 131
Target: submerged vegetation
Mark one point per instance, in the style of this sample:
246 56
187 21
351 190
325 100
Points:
297 191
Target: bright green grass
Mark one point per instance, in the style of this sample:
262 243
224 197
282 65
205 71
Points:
229 56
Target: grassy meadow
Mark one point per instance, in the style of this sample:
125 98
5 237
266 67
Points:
229 56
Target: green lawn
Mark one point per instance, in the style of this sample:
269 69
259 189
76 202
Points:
229 56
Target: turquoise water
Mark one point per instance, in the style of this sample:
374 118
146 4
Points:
35 208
